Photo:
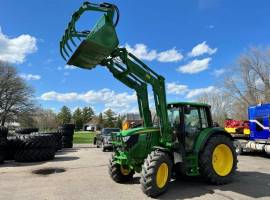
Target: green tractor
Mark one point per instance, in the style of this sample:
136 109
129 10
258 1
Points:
182 142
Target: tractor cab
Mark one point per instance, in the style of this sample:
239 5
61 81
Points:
187 120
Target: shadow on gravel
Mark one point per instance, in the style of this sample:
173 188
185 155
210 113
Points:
85 147
251 184
135 180
48 171
12 163
65 151
64 158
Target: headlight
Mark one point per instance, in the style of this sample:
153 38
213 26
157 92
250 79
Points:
125 139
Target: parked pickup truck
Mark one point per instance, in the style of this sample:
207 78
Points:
103 139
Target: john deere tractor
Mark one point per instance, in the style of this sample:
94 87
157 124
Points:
183 142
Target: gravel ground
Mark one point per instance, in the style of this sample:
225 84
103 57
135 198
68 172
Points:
86 177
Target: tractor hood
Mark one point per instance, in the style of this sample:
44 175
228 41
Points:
139 130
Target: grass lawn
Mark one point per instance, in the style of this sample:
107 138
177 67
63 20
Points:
83 137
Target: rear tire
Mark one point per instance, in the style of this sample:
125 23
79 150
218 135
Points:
156 173
118 173
218 160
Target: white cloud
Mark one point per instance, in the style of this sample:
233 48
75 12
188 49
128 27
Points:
69 67
201 49
142 52
30 77
178 89
171 55
14 50
174 88
121 102
196 92
210 26
219 72
194 66
259 83
66 73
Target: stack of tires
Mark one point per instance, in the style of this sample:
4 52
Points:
26 145
3 143
58 140
26 131
34 147
67 132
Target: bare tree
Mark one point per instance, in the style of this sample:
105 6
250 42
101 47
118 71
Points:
220 105
249 81
16 97
45 119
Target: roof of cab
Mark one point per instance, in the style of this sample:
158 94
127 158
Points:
188 103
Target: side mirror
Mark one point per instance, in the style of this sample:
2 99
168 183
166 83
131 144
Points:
215 124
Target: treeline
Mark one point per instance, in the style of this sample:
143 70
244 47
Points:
19 107
81 116
245 83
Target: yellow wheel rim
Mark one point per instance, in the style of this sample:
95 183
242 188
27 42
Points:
222 160
162 175
124 171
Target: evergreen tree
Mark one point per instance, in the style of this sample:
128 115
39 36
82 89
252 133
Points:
109 118
119 121
78 119
64 116
100 120
87 114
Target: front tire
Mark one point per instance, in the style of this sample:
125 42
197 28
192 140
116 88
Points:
119 173
156 173
218 160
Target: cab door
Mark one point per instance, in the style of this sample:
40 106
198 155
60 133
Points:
195 120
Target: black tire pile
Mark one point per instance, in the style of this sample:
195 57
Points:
34 147
3 143
26 131
67 132
28 145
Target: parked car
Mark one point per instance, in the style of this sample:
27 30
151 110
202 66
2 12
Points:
103 139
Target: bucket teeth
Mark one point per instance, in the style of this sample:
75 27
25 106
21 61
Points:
61 51
65 51
67 44
72 41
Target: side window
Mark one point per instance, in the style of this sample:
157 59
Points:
174 117
192 120
258 127
204 118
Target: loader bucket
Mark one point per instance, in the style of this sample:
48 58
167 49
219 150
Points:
95 45
99 44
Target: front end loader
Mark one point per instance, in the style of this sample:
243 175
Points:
182 142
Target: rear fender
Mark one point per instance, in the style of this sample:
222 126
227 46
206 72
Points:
206 134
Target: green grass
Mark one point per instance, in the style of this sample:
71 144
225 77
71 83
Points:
83 137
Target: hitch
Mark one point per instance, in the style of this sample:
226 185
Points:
95 45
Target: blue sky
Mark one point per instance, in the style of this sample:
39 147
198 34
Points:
190 42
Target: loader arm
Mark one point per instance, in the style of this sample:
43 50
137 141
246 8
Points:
130 70
100 47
